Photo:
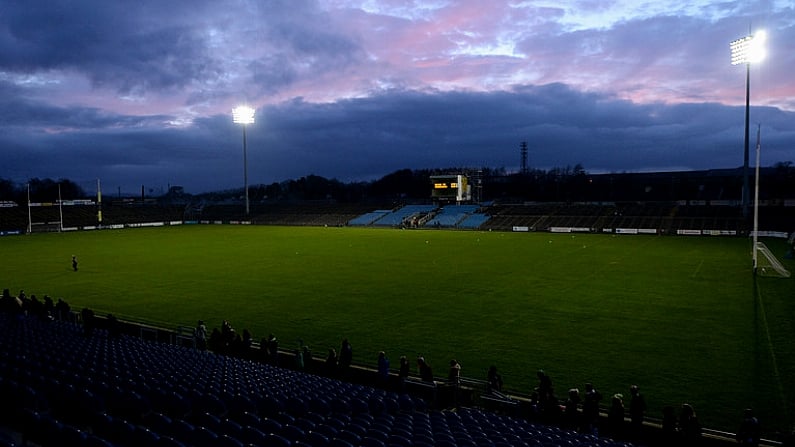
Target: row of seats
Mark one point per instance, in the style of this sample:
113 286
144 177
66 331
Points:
68 388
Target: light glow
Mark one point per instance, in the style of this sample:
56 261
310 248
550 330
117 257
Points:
243 115
749 49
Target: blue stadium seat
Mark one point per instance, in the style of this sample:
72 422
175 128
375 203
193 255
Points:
96 441
276 441
168 441
207 420
399 441
231 427
69 435
269 426
228 441
316 439
248 418
145 436
252 435
158 422
181 430
203 437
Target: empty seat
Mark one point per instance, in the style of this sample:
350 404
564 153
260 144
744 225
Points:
275 440
316 439
167 441
203 437
145 436
228 441
252 436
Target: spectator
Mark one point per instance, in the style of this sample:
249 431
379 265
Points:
547 403
590 409
88 321
227 336
637 410
615 416
454 376
236 347
494 380
689 427
544 390
36 307
749 432
49 308
24 302
306 356
331 363
669 425
346 355
426 374
299 360
247 341
403 372
273 350
571 415
216 341
454 379
62 310
200 336
383 369
10 303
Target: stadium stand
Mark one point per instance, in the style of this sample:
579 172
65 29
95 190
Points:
404 215
368 218
473 221
61 387
451 216
659 217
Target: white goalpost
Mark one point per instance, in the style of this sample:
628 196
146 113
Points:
768 264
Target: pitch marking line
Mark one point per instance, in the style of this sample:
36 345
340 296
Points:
770 346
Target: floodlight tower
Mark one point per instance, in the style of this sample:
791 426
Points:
244 115
747 50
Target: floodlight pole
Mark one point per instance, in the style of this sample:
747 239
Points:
244 115
245 168
746 189
756 193
745 51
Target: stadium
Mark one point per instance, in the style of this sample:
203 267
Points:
384 271
658 294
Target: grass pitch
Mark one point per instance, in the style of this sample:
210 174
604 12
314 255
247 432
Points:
681 317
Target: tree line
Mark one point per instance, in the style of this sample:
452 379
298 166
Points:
562 184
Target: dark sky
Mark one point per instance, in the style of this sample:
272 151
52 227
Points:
141 93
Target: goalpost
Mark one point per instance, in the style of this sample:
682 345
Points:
768 264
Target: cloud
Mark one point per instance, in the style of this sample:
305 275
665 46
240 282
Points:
141 92
365 138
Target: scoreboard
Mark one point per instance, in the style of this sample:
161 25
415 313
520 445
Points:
450 187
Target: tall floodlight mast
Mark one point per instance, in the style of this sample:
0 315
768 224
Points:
756 195
244 115
748 50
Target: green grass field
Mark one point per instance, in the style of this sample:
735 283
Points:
680 316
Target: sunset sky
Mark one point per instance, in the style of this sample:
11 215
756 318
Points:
141 93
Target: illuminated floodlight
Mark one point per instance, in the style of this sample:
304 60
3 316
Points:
243 115
749 49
